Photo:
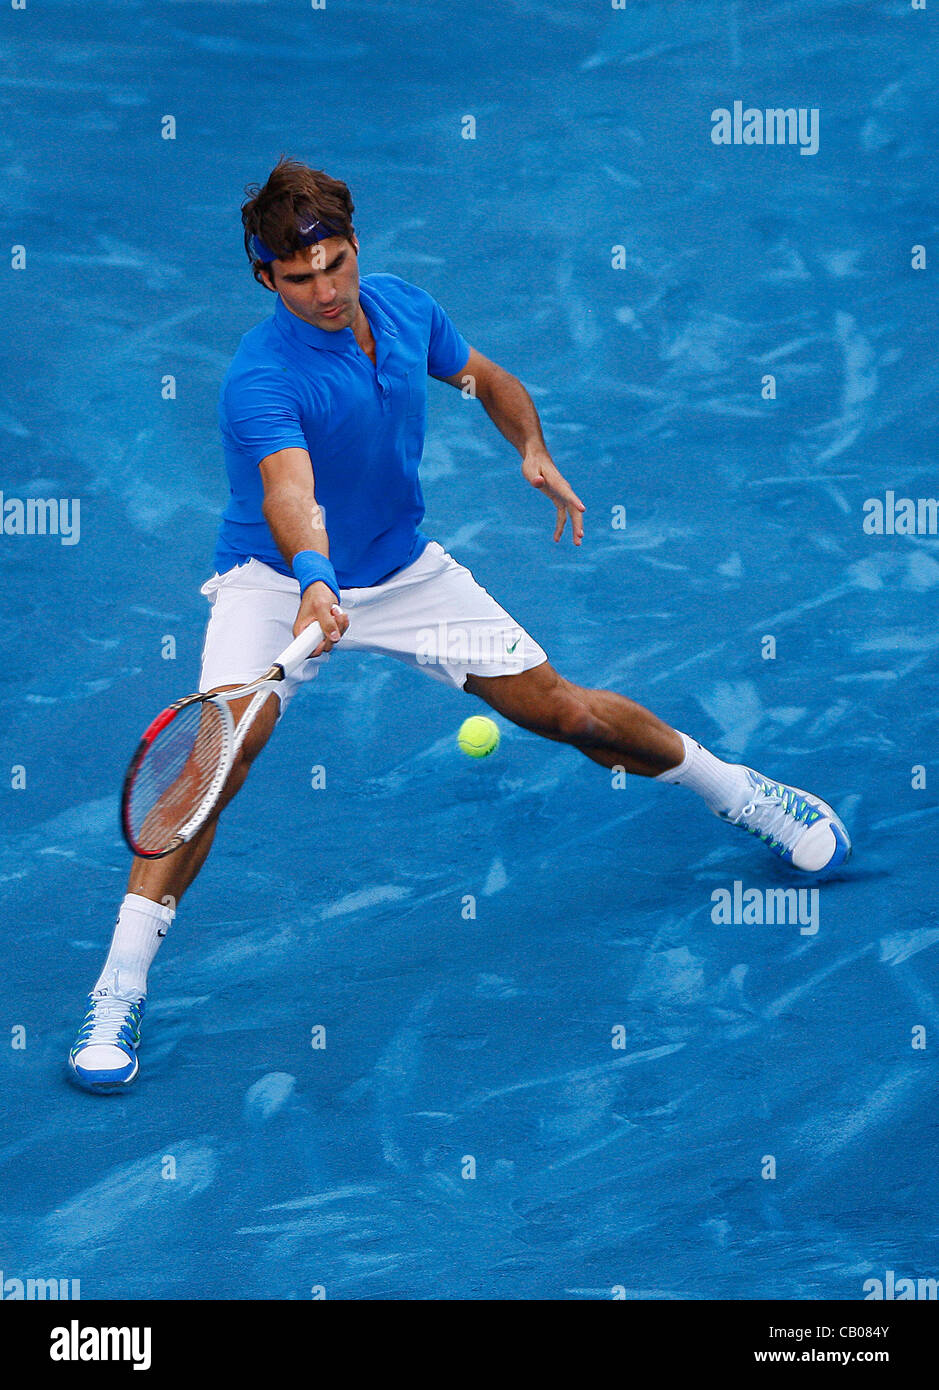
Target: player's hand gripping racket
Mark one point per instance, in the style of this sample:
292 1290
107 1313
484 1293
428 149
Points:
182 763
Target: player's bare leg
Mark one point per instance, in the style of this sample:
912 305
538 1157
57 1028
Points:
796 825
607 727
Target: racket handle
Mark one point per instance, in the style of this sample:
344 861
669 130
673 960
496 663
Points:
298 651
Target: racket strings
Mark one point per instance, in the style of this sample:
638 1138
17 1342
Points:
176 774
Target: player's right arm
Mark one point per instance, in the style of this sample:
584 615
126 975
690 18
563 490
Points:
296 522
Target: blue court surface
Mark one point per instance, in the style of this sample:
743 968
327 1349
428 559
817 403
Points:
622 1073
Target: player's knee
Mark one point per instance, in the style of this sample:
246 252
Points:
255 739
238 773
250 749
260 731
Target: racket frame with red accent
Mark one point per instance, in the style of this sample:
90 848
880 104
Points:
288 661
148 738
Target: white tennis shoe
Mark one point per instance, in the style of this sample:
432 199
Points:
104 1057
796 825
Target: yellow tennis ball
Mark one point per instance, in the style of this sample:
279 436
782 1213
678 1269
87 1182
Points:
478 736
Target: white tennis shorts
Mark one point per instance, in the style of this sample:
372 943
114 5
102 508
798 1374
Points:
432 615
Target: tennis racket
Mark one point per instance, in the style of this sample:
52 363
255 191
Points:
182 762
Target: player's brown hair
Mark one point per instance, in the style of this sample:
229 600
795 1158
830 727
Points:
293 191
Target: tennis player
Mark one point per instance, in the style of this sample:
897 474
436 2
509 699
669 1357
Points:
322 416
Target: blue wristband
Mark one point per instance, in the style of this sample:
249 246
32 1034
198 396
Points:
309 566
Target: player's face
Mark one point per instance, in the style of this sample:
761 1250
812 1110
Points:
320 284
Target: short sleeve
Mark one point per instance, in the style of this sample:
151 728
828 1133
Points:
260 414
447 351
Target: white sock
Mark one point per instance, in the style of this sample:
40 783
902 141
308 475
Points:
141 926
724 787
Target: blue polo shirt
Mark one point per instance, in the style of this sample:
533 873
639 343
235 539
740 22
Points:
292 385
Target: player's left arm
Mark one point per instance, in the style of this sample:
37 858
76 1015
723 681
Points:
513 413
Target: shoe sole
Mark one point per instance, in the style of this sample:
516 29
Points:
101 1087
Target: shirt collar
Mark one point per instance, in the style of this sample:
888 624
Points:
343 340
